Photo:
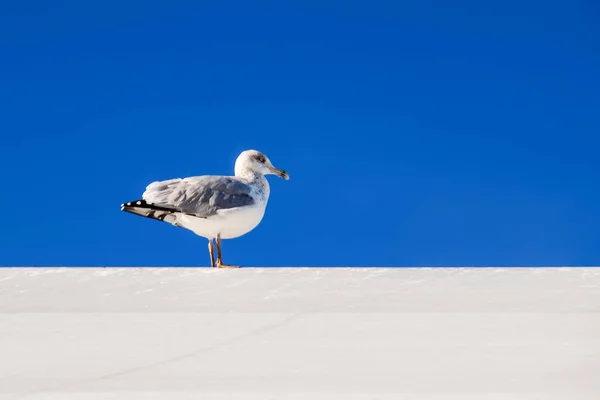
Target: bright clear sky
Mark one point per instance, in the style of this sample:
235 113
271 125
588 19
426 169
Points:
415 133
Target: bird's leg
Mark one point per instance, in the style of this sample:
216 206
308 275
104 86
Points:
219 260
211 250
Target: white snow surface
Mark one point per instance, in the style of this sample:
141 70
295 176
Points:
299 333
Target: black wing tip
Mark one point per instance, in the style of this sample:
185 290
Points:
137 203
144 209
152 211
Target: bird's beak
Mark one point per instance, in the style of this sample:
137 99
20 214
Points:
280 173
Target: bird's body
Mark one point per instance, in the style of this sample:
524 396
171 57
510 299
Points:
248 206
214 207
229 224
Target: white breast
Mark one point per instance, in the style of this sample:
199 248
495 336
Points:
229 223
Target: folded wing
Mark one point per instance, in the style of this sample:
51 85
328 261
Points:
201 196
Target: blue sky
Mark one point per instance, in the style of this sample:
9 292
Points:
415 133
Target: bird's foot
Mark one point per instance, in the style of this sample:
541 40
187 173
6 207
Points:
221 265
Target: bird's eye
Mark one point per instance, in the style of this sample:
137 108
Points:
261 159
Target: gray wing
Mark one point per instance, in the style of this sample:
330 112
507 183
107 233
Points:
202 196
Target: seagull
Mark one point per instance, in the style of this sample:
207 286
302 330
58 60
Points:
211 206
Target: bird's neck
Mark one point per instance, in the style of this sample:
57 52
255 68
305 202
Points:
257 180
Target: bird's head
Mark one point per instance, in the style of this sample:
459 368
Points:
255 161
